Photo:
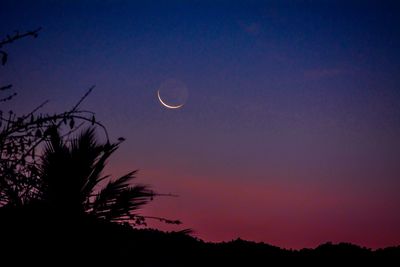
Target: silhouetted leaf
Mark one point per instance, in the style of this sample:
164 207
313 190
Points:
71 123
4 57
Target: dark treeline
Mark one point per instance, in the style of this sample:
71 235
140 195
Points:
39 238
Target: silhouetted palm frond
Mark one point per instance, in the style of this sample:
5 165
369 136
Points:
118 199
71 172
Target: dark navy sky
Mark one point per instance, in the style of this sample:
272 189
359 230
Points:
290 134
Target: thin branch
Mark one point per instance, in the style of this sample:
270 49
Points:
160 219
5 87
9 39
36 109
83 98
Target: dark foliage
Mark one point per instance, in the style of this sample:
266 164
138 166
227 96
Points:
101 241
21 136
71 173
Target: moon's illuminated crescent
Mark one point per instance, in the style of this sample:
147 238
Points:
165 104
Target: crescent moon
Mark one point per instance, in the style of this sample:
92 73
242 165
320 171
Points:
165 104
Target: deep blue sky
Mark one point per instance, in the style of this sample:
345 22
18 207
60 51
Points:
291 131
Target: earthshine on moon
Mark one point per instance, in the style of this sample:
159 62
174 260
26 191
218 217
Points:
172 94
165 104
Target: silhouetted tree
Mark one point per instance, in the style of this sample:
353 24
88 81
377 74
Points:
71 173
21 136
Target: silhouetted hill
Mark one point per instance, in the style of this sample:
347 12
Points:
38 236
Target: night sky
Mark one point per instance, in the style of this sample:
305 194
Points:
291 131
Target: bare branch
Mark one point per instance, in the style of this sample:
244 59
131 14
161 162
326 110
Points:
9 39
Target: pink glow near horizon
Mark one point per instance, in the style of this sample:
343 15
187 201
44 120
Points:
281 214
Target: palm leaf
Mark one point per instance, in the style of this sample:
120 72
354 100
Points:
94 178
117 199
70 172
129 200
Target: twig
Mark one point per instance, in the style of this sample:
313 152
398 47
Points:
10 39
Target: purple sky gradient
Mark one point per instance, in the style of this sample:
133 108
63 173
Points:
290 134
